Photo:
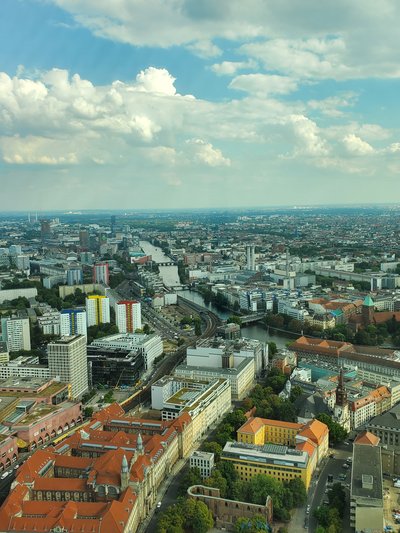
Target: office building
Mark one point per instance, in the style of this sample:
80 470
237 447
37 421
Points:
148 346
4 355
84 239
74 276
97 310
250 257
128 316
366 491
101 273
279 462
68 360
73 322
204 461
16 333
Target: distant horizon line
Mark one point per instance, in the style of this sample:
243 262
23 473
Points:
220 208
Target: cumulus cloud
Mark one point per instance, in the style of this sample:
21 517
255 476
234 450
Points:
307 39
356 146
228 68
307 137
204 152
263 84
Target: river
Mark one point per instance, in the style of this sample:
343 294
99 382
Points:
254 331
170 277
169 274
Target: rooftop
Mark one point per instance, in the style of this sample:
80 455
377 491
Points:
367 462
267 454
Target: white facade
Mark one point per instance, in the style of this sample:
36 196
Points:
204 461
97 310
12 294
128 316
73 322
149 346
16 333
24 366
49 322
68 361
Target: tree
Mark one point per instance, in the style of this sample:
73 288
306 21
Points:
336 432
234 319
272 348
191 477
298 490
171 520
217 481
252 525
198 516
88 412
213 447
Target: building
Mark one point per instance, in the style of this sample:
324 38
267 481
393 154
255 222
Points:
205 402
97 310
4 355
386 426
341 413
74 276
250 257
24 367
260 431
73 322
101 273
84 239
8 451
16 333
280 462
226 512
148 346
114 367
68 361
128 316
204 461
366 491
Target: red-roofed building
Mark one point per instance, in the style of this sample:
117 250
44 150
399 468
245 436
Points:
98 480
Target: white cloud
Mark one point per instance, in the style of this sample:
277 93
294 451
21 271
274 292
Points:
263 84
306 39
307 137
205 153
228 68
156 80
204 49
356 146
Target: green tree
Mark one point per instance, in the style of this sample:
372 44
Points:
251 525
198 516
298 490
272 348
171 520
234 319
336 432
213 447
217 481
191 477
88 412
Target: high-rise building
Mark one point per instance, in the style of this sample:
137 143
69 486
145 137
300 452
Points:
74 276
101 273
73 322
84 238
128 316
97 310
16 333
250 257
68 361
45 229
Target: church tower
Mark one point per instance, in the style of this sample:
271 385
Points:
124 473
341 413
367 311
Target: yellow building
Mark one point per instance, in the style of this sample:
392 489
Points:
279 462
97 310
260 431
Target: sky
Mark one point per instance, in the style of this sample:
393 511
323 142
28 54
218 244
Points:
135 104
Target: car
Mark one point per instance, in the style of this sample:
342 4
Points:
16 467
158 505
4 475
308 508
346 443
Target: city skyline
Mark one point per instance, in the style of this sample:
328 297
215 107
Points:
194 104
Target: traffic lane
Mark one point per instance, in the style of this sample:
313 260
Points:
169 498
318 490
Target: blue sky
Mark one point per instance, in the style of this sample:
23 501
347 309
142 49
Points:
197 103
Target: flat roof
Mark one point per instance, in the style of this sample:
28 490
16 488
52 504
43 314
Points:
268 454
366 467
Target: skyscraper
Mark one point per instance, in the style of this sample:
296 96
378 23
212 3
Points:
68 360
97 310
73 322
250 257
74 276
16 333
84 239
128 316
101 273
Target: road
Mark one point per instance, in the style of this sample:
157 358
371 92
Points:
318 491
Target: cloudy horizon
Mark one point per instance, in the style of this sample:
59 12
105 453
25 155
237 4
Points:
138 104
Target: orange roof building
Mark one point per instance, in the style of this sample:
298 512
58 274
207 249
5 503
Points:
97 480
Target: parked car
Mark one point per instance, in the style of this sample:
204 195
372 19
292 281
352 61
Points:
4 475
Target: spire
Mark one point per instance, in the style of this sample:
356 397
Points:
124 465
139 444
341 394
